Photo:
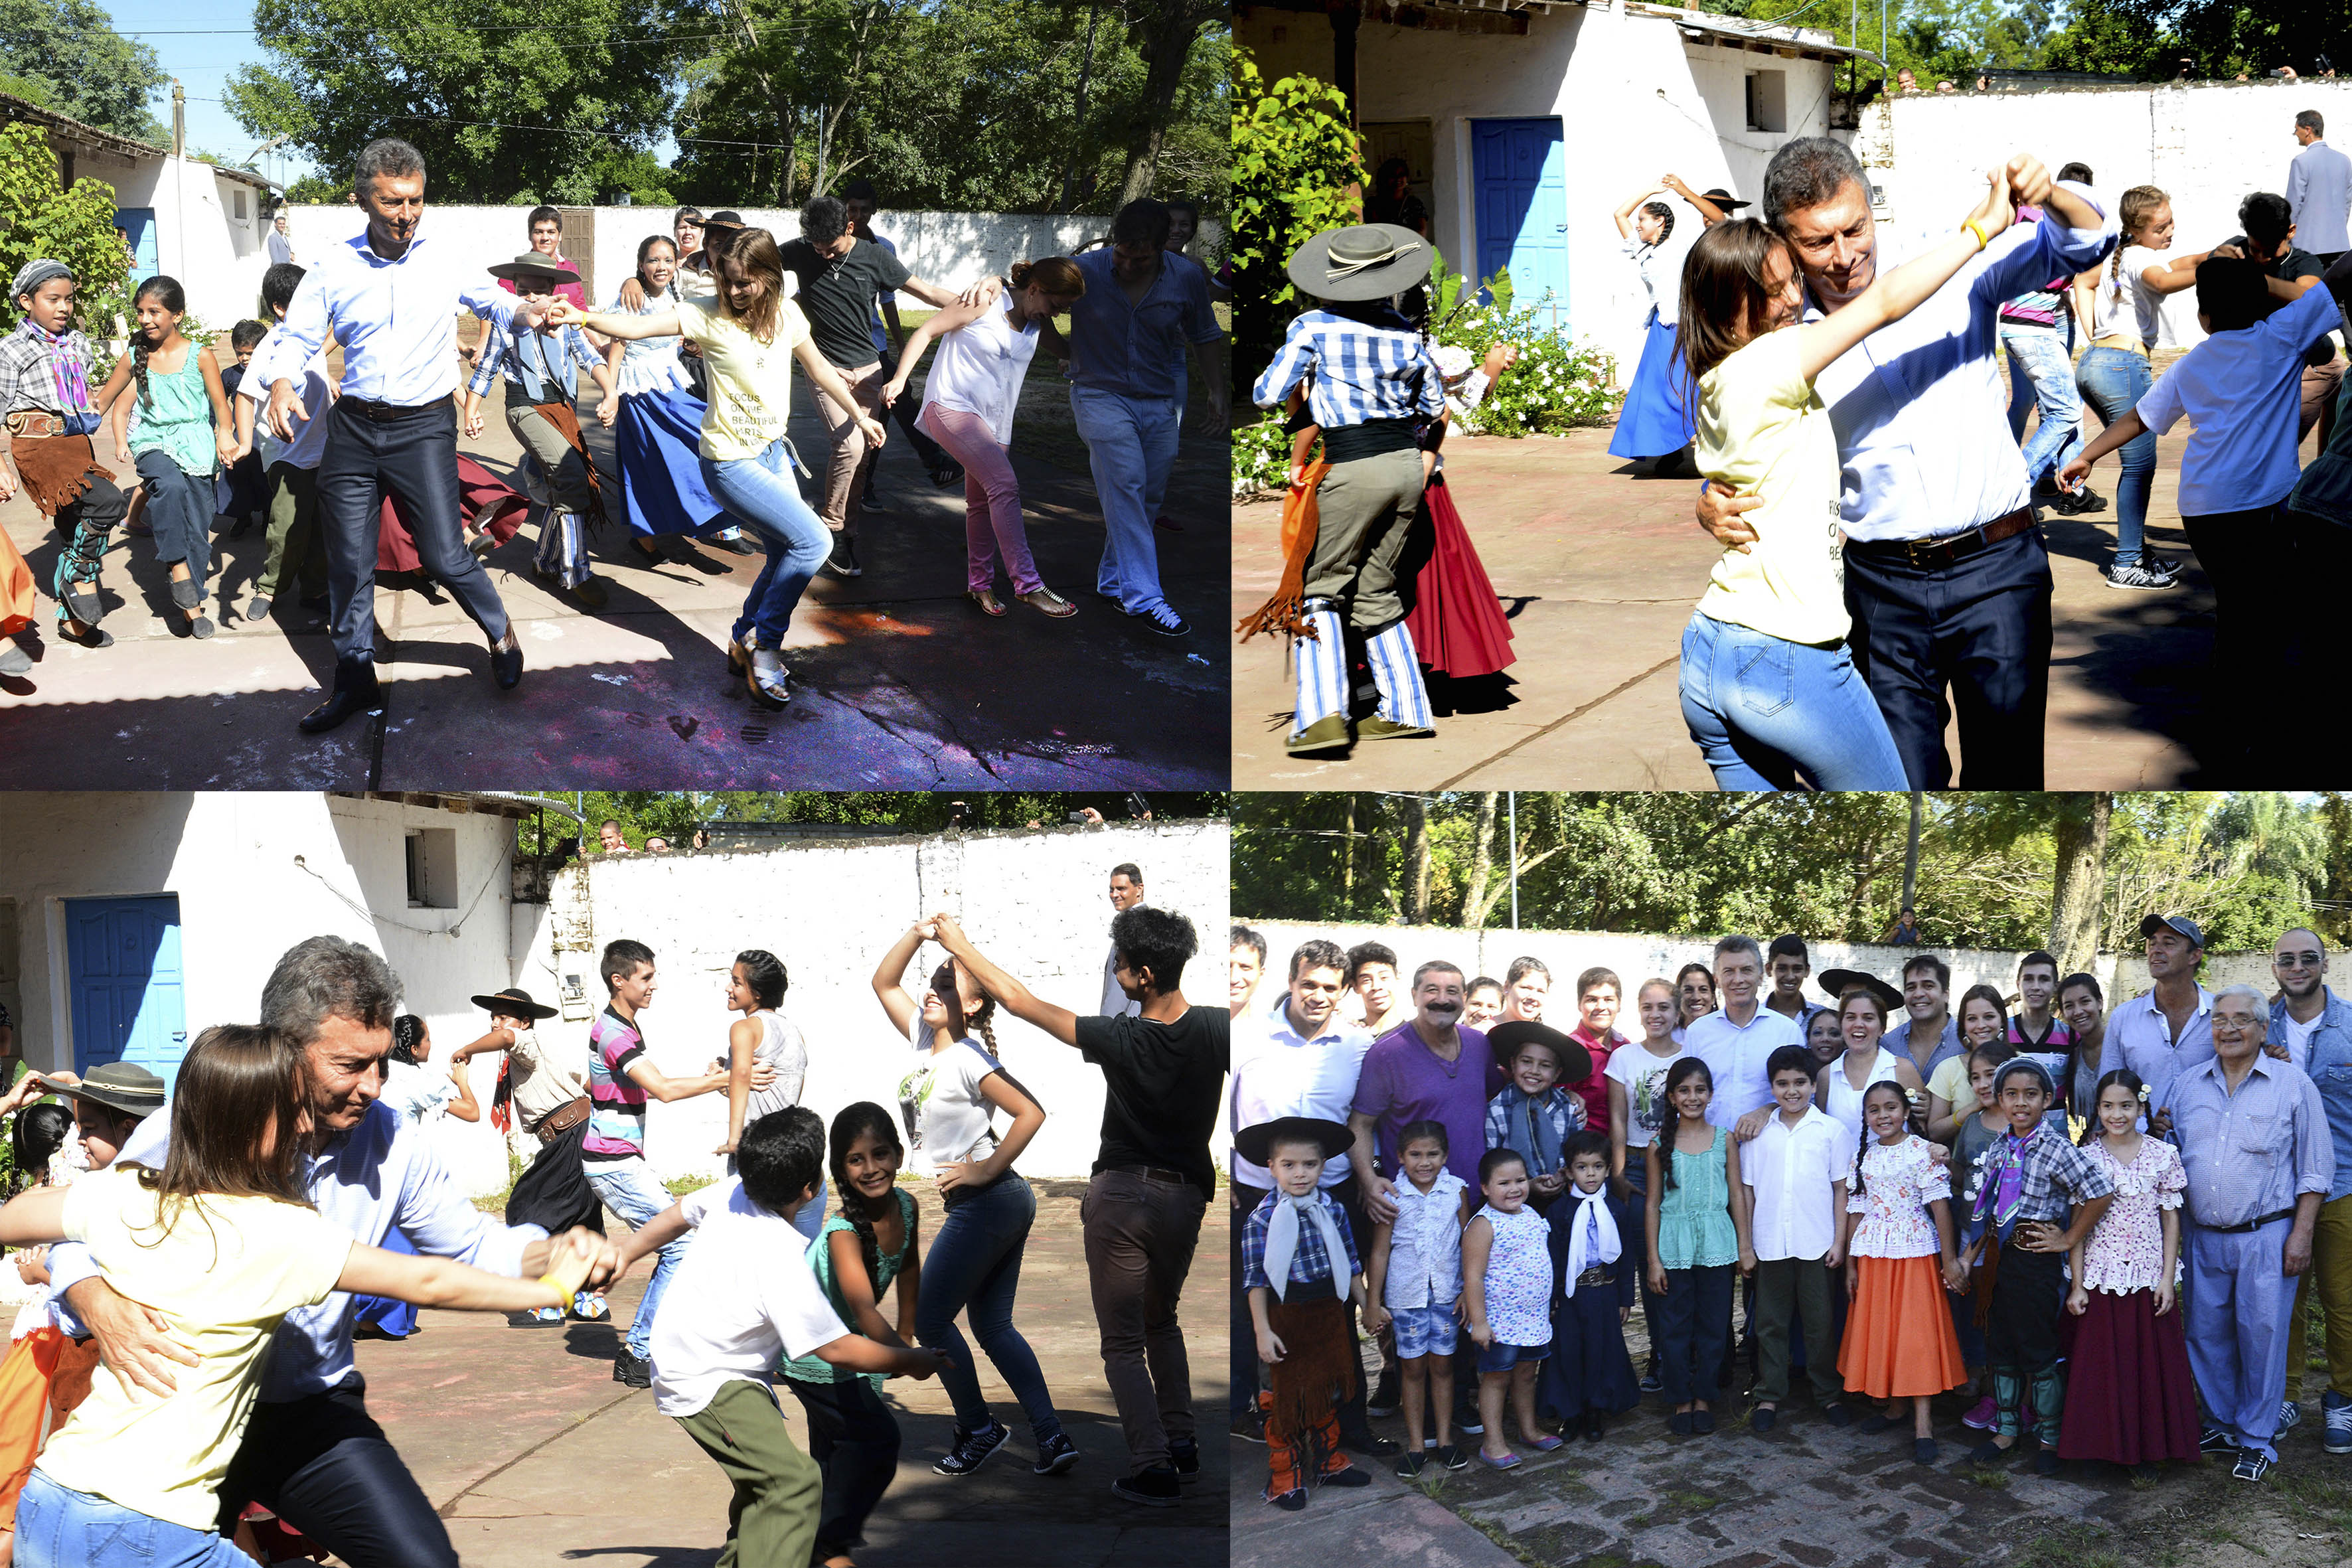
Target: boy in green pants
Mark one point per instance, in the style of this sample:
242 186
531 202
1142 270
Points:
290 468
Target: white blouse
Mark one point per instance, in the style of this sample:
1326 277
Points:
1425 1246
650 365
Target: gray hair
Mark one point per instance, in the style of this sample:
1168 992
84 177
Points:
1808 173
323 977
1735 942
386 155
2261 1003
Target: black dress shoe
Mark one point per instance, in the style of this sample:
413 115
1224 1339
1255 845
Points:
506 666
341 704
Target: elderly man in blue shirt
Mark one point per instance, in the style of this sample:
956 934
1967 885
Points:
2254 1142
2314 1027
1142 312
1947 575
311 1453
389 297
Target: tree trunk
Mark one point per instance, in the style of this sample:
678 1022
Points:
1078 121
1348 861
1482 862
1167 40
1911 853
2082 845
1416 859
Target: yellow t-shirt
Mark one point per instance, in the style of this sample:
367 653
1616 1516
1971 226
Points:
1950 1080
750 382
1762 430
222 1277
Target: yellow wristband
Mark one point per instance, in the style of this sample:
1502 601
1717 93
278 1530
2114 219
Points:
1977 229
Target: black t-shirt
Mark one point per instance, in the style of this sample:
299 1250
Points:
837 296
1163 1085
2293 266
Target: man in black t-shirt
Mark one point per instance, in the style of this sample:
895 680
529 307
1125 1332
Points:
1164 1076
2270 239
840 275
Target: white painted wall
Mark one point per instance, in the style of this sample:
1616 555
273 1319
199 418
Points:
2207 144
1035 902
217 258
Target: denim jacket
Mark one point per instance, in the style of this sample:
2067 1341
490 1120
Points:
2331 1069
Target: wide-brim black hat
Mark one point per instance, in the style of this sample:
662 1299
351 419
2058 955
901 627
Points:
1838 982
1724 200
531 264
1368 261
515 1003
1505 1040
1257 1144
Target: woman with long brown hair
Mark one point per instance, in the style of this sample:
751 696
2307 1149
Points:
950 1102
746 457
221 1243
968 402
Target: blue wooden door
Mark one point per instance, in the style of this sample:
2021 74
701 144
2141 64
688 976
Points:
122 958
138 224
1521 173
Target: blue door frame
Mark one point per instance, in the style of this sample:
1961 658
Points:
1520 170
124 983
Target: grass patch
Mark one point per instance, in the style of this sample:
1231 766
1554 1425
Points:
1502 1537
1692 1500
2068 1546
1990 1476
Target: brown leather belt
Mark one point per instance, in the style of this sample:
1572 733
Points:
1596 1275
34 422
562 1118
1946 550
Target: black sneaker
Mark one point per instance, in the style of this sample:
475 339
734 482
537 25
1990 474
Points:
1163 619
948 473
1654 1382
1383 1401
632 1369
1184 1458
1055 1455
1370 1445
971 1450
2252 1465
1155 1488
842 562
1453 1457
2214 1440
1408 1466
1249 1426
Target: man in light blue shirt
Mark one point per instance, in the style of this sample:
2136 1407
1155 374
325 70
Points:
1737 1039
310 1453
1928 1007
2319 190
2167 1030
389 297
1947 575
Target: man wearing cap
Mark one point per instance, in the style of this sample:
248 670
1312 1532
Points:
390 298
310 1453
2313 1025
1368 378
2167 1029
2254 1142
541 366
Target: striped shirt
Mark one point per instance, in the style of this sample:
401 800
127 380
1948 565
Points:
616 1118
1360 373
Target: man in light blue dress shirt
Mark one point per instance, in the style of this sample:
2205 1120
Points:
2167 1029
1947 575
2319 190
389 297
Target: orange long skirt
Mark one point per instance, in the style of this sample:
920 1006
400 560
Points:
1899 1342
16 602
46 1375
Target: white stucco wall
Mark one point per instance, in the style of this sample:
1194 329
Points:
2206 144
217 258
1035 902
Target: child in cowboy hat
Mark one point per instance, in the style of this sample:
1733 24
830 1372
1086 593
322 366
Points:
1301 1269
1373 382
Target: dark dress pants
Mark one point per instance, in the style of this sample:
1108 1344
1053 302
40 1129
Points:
413 456
2247 556
1980 626
324 1466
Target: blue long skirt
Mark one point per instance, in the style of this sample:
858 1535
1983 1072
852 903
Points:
659 435
395 1318
1653 421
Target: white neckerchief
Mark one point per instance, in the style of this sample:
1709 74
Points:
1592 1238
1282 1237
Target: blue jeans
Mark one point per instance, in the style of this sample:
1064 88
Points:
1131 446
1766 710
628 1187
61 1529
974 1268
2112 381
2040 370
760 491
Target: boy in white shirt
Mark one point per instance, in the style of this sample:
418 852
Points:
743 1300
290 468
1789 1232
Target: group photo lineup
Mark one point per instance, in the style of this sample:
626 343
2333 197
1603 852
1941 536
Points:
511 1178
673 402
1797 1180
1771 400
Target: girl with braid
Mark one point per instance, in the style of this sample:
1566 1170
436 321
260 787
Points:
861 1252
1900 1260
949 1102
184 433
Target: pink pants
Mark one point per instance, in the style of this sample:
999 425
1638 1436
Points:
991 500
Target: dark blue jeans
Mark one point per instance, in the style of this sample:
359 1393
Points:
854 1438
2112 381
1978 628
1694 1332
974 1268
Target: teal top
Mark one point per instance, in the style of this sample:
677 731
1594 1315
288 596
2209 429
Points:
176 418
809 1368
1695 1215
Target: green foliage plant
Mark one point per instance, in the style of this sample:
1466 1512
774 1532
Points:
38 216
1296 171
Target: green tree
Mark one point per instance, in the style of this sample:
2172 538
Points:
2101 38
675 815
38 216
1296 171
503 98
72 60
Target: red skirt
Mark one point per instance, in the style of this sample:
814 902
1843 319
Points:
1456 621
481 494
2129 1395
18 605
1899 1342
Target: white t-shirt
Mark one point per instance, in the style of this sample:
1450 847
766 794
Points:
309 443
1763 431
947 1120
1661 267
418 1093
743 1298
1645 1078
2123 305
2298 1039
543 1079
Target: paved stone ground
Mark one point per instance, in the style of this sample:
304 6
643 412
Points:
1598 567
536 1458
1806 1494
898 682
